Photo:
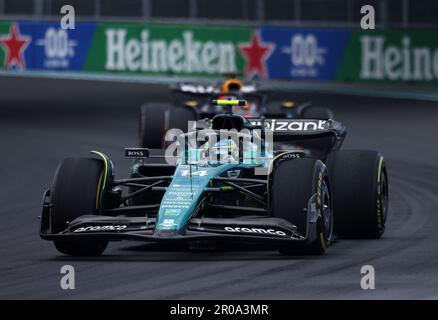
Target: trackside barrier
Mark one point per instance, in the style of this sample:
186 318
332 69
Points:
276 53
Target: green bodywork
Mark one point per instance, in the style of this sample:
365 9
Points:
187 191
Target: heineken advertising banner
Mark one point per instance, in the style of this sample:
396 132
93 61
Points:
390 56
166 50
44 46
305 54
209 51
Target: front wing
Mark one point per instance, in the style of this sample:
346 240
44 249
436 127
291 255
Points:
246 229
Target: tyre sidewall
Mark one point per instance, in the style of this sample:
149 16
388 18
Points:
292 201
74 190
356 176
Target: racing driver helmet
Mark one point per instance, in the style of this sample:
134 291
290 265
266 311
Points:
225 151
232 86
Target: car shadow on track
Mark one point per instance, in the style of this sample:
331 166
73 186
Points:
154 252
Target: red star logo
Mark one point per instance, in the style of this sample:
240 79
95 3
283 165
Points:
14 45
256 53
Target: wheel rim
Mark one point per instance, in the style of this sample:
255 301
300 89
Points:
327 214
384 197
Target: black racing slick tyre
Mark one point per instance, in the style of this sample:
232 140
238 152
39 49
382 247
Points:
157 118
74 192
312 112
296 185
179 119
154 121
360 193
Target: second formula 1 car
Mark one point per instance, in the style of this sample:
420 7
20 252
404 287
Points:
192 102
283 182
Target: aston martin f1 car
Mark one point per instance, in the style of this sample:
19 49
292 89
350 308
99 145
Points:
283 182
192 102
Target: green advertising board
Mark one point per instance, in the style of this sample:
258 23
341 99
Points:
167 49
266 52
390 56
4 29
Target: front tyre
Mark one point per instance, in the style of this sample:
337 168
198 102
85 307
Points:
298 185
75 192
360 191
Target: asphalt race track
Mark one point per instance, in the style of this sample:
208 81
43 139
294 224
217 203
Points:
43 121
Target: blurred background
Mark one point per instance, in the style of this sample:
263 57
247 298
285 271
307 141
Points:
345 13
316 40
306 40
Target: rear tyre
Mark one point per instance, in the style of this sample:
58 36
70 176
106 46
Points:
154 120
312 112
157 118
74 192
179 119
360 193
276 110
294 183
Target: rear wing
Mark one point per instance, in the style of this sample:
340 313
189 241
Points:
205 89
194 89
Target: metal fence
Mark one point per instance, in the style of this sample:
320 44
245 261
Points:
343 13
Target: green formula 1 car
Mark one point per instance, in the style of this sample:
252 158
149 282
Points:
283 182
